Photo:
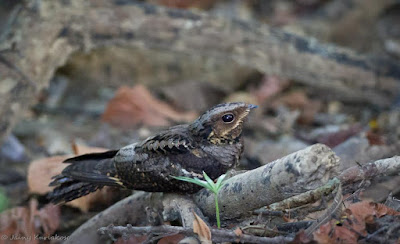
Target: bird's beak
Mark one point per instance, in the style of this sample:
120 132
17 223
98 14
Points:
252 106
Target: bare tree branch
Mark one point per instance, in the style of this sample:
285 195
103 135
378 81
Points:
217 235
306 197
129 210
296 173
178 206
333 211
388 166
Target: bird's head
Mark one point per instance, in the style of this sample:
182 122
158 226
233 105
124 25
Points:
222 123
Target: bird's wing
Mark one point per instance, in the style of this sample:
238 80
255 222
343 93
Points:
169 142
172 141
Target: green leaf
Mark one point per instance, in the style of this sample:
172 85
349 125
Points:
210 185
196 181
210 182
220 182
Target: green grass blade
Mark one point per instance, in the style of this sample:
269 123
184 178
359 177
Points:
220 182
194 181
208 179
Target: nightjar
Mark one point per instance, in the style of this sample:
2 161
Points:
212 143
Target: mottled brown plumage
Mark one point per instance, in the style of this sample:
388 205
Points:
212 144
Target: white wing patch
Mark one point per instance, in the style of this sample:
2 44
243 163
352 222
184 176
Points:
128 153
152 144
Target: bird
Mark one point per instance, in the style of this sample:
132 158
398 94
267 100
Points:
212 144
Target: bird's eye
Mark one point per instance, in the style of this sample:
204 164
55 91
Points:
227 118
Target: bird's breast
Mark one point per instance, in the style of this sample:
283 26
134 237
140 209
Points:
226 154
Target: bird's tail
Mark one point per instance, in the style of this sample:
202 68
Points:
85 174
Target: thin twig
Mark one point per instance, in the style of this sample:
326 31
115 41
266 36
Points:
218 235
306 197
332 211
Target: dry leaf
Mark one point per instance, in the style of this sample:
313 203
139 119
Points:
382 210
132 106
270 86
309 111
336 138
29 221
294 100
172 239
82 149
358 215
301 237
322 235
201 229
375 138
238 232
298 100
330 233
345 235
41 171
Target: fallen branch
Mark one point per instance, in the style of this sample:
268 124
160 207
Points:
296 173
181 207
128 210
131 210
333 211
217 235
306 197
388 166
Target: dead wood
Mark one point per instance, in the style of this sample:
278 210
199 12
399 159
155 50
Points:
129 210
388 166
217 235
333 211
44 34
291 175
306 197
180 207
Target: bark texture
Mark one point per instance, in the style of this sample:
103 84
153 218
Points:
296 173
132 212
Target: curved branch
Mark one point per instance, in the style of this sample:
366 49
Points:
179 206
128 210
